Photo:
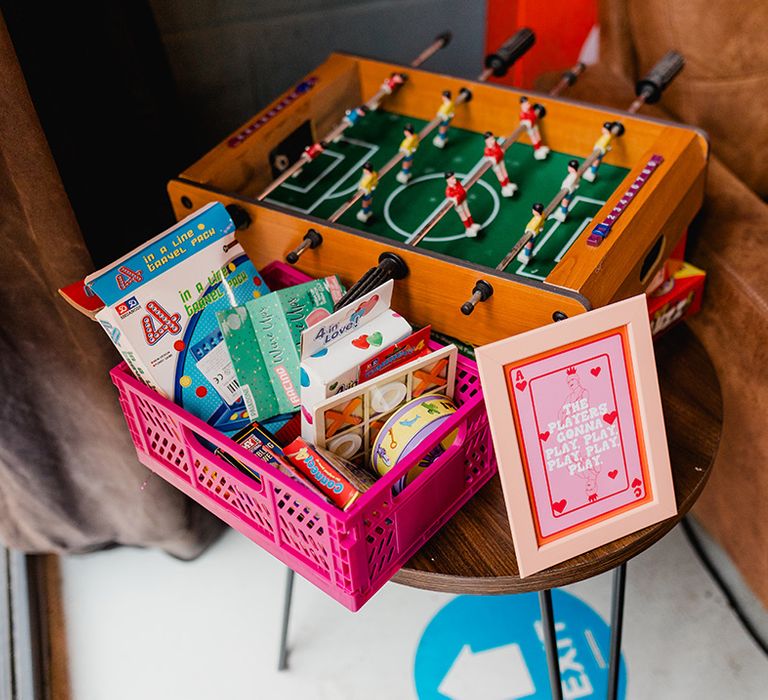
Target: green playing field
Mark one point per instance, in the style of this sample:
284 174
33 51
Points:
400 211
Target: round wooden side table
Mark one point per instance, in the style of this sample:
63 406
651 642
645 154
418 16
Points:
473 552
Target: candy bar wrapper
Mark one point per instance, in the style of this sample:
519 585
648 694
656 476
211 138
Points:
325 474
261 443
359 477
258 442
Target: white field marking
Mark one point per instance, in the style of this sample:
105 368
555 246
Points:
472 196
372 148
578 198
565 248
337 158
332 194
432 239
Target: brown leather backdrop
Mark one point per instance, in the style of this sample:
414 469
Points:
722 90
69 478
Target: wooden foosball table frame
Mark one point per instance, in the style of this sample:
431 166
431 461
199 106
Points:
238 169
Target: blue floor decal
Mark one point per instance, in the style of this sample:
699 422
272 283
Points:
490 648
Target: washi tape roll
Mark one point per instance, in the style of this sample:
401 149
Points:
406 430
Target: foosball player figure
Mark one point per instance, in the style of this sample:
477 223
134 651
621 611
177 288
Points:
533 227
408 148
392 83
368 183
529 119
495 155
445 112
603 145
570 184
310 153
352 116
455 191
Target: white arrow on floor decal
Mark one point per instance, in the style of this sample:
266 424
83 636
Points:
493 674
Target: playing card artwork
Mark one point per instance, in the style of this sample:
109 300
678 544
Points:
575 415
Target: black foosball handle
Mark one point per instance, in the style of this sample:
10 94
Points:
311 239
661 75
501 60
482 292
391 267
240 216
572 74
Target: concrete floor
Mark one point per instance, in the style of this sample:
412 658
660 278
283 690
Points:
143 625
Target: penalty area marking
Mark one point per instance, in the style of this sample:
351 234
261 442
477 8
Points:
330 193
578 198
432 239
337 158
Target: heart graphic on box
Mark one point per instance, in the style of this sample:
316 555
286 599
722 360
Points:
559 506
361 342
521 385
610 417
613 474
375 338
544 436
595 371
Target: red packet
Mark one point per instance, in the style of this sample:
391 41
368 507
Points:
410 348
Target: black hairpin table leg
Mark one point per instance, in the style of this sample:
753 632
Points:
550 643
282 659
617 621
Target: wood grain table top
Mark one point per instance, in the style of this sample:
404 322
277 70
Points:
473 552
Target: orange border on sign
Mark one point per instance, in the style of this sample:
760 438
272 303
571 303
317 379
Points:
509 369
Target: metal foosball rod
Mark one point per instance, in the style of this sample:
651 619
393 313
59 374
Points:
388 87
500 61
568 78
648 90
614 129
482 290
391 265
464 96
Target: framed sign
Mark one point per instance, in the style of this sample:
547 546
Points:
576 420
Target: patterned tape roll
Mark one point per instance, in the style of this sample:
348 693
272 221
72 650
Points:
406 430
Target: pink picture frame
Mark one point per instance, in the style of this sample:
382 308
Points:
577 425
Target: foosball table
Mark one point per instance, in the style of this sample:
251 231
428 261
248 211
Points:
498 210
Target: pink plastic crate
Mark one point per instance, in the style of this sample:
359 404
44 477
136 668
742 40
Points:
349 555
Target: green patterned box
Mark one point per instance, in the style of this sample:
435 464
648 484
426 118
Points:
263 340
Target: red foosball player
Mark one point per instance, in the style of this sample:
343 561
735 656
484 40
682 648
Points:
310 153
445 113
455 191
313 151
408 148
529 119
570 184
392 83
533 227
495 155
